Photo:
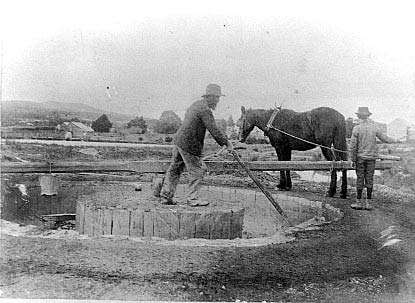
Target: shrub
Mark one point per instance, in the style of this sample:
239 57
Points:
168 123
137 125
102 124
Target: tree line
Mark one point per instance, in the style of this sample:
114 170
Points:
168 123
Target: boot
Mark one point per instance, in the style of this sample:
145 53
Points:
167 201
369 193
197 202
357 205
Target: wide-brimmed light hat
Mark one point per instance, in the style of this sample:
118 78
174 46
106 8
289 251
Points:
213 89
363 111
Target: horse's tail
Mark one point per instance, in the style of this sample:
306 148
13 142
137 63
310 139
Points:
339 141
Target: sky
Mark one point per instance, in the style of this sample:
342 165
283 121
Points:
142 57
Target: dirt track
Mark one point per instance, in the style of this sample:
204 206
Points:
342 262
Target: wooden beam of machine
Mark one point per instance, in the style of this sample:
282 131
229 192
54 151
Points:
160 166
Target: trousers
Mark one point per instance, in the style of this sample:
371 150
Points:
365 170
194 166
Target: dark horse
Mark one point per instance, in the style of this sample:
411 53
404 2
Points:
323 126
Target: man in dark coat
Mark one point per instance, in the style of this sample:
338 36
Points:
188 146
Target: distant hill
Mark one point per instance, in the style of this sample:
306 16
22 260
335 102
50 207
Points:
70 106
26 109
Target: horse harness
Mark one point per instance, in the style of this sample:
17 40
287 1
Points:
270 126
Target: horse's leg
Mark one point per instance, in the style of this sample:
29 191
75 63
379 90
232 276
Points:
343 192
287 157
283 181
333 176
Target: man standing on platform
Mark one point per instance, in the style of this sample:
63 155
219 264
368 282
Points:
188 146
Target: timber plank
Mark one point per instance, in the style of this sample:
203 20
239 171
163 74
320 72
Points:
88 223
137 223
166 225
203 226
96 220
219 225
148 224
121 222
237 218
160 166
187 227
107 224
80 216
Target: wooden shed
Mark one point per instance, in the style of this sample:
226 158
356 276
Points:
78 129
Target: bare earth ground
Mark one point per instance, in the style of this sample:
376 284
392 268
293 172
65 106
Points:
341 262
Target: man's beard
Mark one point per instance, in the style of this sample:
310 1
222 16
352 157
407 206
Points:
212 105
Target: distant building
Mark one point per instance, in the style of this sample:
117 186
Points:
78 129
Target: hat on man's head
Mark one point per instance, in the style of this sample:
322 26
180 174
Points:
213 89
363 111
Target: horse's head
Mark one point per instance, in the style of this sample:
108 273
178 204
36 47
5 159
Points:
245 125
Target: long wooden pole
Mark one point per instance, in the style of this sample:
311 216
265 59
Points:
160 166
262 188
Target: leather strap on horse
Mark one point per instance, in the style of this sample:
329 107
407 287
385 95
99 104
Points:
271 120
270 126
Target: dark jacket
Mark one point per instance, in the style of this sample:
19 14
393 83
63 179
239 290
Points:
191 134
